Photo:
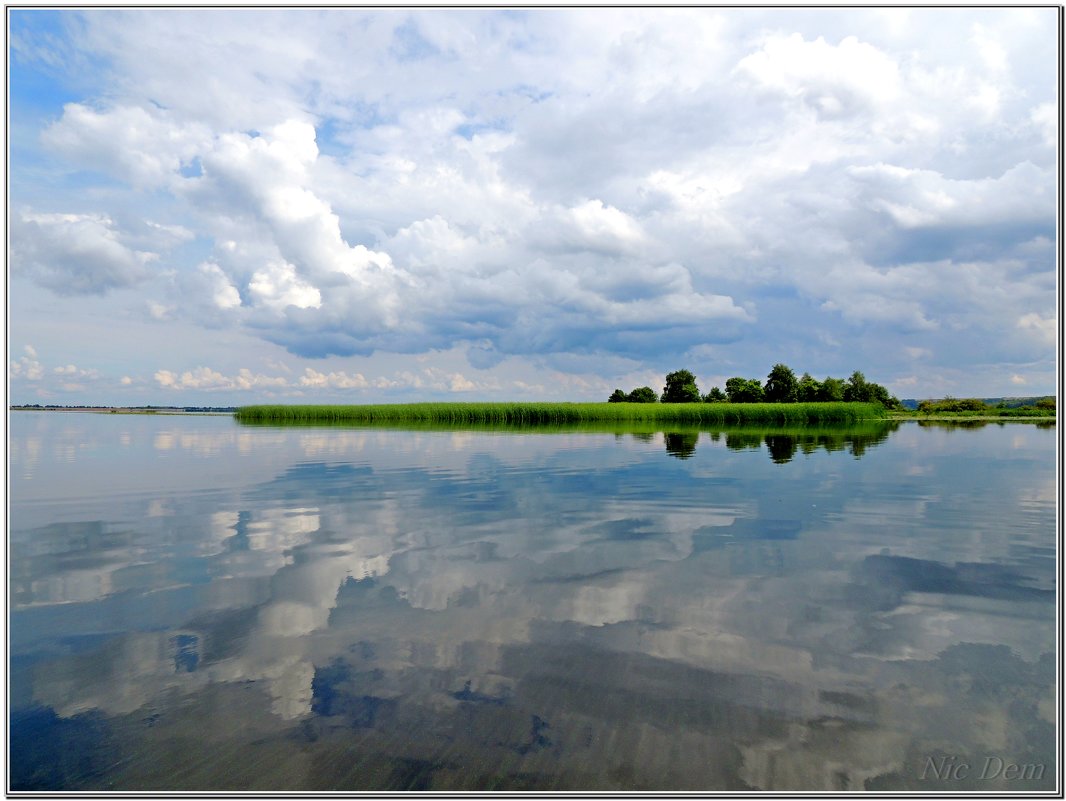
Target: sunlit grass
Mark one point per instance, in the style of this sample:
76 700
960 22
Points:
535 413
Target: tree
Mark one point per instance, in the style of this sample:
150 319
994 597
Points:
861 390
809 389
714 396
832 390
856 388
744 390
878 394
618 397
643 395
681 388
781 385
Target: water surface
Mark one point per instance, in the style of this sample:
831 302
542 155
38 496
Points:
197 605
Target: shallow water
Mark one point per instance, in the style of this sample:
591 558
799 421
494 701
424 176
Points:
196 605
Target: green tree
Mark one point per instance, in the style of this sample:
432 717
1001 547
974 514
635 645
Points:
643 395
859 389
832 389
856 389
618 397
878 394
744 390
809 389
781 385
681 388
714 396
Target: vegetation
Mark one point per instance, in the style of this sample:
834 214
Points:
520 414
715 396
744 390
975 407
638 395
781 386
681 388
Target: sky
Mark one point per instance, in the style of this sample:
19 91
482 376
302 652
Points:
232 206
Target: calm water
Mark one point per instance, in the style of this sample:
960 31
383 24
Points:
199 605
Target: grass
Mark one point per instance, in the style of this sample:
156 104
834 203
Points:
538 414
1024 413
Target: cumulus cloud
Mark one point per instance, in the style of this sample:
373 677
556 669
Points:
71 371
833 80
27 366
143 145
530 187
223 294
1045 329
76 254
924 199
205 378
29 374
1045 119
277 286
604 228
334 380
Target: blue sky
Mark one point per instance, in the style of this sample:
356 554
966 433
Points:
219 207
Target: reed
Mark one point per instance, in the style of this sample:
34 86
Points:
536 413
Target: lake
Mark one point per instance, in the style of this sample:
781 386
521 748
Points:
200 605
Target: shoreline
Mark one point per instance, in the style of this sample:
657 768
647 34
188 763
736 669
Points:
168 410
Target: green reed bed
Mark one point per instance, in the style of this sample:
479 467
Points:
524 414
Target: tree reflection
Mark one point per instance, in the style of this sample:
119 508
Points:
743 440
783 445
681 445
953 425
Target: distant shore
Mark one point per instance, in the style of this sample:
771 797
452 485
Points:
128 409
447 411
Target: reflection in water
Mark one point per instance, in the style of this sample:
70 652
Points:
414 610
782 447
781 443
681 445
963 423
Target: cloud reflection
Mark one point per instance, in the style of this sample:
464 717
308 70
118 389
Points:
602 616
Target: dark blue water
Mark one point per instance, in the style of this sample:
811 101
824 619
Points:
196 605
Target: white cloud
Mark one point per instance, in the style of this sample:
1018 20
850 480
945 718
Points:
75 254
71 371
332 380
158 311
277 286
145 146
205 378
1045 119
612 183
603 227
1044 328
223 294
27 366
833 80
924 198
992 52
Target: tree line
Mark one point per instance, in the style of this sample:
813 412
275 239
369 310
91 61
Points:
781 386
